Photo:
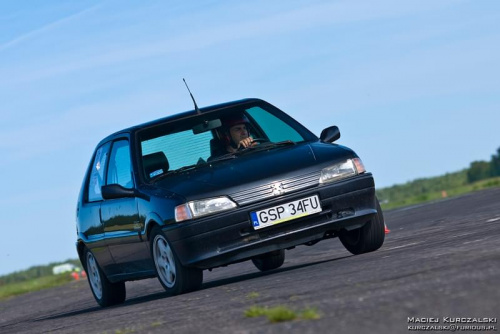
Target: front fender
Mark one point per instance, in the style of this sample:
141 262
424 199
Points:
151 220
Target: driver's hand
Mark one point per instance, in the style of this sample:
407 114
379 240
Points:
247 142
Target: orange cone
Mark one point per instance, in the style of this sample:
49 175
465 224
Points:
386 229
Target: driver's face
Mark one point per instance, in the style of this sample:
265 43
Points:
238 133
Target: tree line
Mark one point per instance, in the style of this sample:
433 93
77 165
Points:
480 170
34 272
425 189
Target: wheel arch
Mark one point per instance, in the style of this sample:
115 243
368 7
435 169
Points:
80 248
152 220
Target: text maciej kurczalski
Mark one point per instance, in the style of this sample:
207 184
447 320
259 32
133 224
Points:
451 320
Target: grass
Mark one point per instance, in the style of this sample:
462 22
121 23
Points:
310 314
18 288
432 196
156 324
121 331
281 313
253 295
124 331
255 311
135 329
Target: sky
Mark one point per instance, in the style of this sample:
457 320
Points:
414 87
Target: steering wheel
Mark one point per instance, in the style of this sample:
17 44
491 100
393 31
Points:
254 140
259 140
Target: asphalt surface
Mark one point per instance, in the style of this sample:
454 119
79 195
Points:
440 260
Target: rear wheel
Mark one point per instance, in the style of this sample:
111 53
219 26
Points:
368 238
269 261
105 292
173 276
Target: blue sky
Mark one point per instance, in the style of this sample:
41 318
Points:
413 85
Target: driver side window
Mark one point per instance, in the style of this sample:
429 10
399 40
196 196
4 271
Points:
275 129
96 179
120 166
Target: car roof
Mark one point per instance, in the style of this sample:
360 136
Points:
178 116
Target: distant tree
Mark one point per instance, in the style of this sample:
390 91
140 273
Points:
479 170
495 164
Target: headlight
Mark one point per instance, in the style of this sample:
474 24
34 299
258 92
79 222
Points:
342 170
195 209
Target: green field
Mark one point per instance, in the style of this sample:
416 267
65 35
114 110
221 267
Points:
480 175
18 288
407 200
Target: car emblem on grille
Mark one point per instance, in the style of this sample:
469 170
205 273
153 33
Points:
277 189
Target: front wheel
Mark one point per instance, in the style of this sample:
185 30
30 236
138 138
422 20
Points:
173 276
105 292
269 261
368 238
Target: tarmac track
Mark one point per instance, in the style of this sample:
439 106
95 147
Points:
440 260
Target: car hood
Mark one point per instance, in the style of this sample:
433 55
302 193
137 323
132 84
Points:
253 169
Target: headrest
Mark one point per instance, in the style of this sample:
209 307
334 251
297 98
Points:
155 164
217 148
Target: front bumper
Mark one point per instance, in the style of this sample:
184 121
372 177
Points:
230 237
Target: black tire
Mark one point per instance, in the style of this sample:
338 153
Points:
173 276
105 293
368 238
269 261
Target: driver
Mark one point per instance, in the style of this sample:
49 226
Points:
235 133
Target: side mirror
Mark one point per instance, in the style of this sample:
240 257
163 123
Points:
112 191
330 134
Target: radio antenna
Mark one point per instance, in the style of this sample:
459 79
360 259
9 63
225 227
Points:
195 105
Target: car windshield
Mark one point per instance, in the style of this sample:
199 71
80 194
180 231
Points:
180 145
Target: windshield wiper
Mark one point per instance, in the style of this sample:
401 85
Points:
265 146
281 143
182 169
261 147
175 171
226 156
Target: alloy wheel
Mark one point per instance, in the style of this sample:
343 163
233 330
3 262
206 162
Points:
94 276
164 261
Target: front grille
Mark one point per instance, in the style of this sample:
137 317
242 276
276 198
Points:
272 189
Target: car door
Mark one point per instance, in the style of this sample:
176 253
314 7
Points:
120 217
89 212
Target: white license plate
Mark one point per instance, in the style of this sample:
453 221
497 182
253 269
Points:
285 212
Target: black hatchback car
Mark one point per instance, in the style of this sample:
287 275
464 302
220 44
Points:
175 196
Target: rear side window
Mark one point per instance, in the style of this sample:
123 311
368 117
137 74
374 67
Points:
96 180
120 167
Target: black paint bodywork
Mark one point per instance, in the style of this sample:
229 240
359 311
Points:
117 229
